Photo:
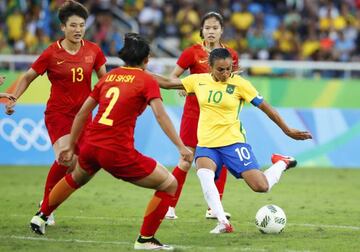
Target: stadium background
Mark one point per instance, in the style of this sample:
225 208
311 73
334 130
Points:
323 100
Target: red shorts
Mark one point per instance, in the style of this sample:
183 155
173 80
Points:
128 166
188 131
59 125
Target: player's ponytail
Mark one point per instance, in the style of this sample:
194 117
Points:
136 49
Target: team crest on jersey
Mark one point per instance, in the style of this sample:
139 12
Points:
230 89
88 59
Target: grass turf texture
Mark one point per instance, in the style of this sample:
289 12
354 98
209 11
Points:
322 208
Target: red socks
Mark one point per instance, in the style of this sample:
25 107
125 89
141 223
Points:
220 182
56 173
180 176
155 213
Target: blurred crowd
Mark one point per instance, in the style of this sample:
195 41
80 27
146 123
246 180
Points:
326 30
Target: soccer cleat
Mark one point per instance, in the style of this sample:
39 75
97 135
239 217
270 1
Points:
289 161
221 228
170 214
150 244
51 218
210 215
37 223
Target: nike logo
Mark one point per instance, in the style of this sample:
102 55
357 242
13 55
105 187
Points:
60 62
247 163
203 61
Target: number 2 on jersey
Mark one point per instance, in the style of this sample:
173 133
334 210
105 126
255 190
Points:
114 93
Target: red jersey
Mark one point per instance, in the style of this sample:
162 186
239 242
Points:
70 75
195 58
123 95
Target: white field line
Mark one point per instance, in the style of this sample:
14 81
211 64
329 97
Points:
44 239
325 226
191 221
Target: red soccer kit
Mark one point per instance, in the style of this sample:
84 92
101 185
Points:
122 95
196 59
70 77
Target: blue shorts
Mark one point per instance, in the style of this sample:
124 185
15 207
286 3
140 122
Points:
237 158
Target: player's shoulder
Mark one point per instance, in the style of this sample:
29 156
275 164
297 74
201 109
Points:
198 77
53 47
90 44
193 48
237 80
231 51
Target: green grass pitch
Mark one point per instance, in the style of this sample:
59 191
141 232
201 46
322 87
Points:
322 208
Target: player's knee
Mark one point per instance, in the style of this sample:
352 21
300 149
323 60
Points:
169 185
184 165
172 187
80 176
260 186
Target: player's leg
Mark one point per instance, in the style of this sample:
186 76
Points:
221 181
61 191
207 162
165 185
180 173
260 181
220 185
59 127
57 171
86 167
188 134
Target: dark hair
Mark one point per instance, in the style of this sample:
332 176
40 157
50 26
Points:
135 49
218 53
209 15
70 8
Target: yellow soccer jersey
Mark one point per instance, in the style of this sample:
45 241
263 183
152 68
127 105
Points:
220 104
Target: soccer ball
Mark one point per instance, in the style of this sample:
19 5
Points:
270 219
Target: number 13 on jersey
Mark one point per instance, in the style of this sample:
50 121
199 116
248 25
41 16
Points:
77 74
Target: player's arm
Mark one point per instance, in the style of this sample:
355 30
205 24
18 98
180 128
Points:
167 83
24 83
276 118
101 72
176 73
81 117
169 129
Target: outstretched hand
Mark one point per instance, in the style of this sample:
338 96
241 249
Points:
9 107
66 156
182 93
186 154
298 135
9 96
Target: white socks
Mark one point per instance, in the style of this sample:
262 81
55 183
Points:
211 193
273 173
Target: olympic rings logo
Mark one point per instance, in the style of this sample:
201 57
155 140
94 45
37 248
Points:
25 134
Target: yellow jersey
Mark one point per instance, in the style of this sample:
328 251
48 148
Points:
220 104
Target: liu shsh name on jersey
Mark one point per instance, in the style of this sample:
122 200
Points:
127 78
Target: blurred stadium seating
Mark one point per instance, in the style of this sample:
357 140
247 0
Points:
321 30
309 42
